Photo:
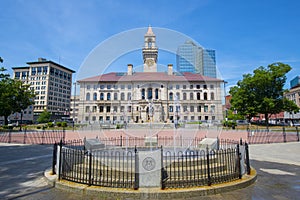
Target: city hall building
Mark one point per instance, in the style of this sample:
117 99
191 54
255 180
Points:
150 95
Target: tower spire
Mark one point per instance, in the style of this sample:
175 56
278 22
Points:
149 32
150 51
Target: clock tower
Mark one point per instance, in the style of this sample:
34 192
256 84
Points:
150 52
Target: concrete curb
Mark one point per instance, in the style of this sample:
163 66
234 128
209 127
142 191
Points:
149 193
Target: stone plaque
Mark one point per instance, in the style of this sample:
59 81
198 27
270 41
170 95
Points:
150 168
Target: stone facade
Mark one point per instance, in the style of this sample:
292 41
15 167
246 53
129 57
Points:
150 95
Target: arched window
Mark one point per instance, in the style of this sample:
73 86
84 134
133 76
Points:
184 96
178 95
115 96
212 96
191 96
143 93
108 96
101 96
205 95
95 96
198 95
156 93
149 93
129 96
88 96
171 96
122 96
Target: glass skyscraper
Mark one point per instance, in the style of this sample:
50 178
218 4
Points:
193 58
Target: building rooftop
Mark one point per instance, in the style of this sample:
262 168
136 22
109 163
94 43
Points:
148 76
42 60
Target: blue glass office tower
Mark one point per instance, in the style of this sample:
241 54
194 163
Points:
193 58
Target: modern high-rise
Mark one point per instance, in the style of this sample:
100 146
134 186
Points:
52 84
195 59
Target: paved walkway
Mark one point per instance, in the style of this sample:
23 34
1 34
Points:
277 165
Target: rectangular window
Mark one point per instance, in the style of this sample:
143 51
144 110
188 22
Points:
177 87
108 109
184 108
115 108
205 108
192 108
100 108
170 108
199 109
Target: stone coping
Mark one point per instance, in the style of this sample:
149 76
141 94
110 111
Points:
98 192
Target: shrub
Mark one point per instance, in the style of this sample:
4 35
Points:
38 127
7 127
58 124
50 124
64 124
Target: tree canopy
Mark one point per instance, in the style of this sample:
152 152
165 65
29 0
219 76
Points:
44 117
262 92
15 96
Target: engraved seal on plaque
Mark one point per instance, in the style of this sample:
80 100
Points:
148 163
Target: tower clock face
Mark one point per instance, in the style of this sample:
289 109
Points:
150 62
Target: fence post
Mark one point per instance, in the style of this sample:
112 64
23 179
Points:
64 134
163 185
121 140
208 167
90 168
297 133
43 135
9 136
284 134
238 154
54 161
247 158
25 130
136 171
60 160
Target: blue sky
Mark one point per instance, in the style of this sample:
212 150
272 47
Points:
245 34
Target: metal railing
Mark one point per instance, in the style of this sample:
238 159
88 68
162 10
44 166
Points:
271 136
119 167
33 137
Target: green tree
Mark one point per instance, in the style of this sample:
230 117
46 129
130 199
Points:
23 97
44 117
242 100
262 92
15 96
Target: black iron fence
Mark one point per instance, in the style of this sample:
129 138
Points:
119 167
273 136
203 167
33 136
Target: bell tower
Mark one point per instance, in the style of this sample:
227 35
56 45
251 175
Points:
150 52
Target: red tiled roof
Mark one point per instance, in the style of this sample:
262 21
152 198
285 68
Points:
148 76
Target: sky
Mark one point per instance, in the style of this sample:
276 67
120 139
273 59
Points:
245 34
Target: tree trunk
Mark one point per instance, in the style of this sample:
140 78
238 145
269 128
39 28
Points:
6 120
267 121
21 122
